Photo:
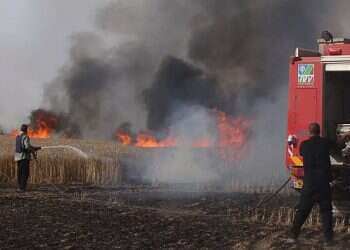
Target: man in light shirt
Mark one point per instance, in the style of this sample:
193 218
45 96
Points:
23 155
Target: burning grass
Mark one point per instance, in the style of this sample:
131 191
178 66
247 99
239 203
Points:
109 163
232 134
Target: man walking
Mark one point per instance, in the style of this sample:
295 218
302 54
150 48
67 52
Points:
317 176
24 151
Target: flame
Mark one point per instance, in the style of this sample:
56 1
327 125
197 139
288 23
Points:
233 136
43 131
43 124
123 137
232 133
148 141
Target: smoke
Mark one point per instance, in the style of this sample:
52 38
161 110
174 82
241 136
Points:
178 83
152 61
100 90
34 44
169 54
186 164
266 147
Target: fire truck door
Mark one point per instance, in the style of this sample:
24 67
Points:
308 95
306 109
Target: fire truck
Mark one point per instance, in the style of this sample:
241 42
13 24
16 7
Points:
319 91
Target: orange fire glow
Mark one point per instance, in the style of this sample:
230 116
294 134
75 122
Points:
233 136
124 138
232 133
147 141
144 140
43 131
202 143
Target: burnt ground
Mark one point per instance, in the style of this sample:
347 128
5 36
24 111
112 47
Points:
145 218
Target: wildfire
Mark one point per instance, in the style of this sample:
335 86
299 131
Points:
233 137
232 133
148 141
43 123
144 140
43 132
124 138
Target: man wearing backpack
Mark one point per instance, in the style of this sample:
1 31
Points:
23 155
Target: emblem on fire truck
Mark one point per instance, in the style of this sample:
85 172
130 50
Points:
306 74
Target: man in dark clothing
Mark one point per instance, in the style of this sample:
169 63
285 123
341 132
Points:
24 152
317 176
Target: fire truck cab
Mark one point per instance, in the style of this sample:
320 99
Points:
319 91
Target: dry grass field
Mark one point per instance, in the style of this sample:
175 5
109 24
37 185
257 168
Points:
63 166
106 164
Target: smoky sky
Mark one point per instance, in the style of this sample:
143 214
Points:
34 44
145 58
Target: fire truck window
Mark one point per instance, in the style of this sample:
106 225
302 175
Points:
337 101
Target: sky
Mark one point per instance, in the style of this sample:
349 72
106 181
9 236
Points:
34 43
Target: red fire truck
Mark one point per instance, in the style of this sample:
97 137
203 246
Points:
319 91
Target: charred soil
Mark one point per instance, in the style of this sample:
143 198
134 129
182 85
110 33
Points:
145 218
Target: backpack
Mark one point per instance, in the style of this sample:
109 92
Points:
20 143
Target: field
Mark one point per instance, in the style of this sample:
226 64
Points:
90 207
62 166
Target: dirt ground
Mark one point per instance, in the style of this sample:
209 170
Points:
144 218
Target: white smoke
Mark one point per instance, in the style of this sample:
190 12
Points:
185 163
35 40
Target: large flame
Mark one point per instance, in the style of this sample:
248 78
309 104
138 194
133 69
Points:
43 132
43 124
232 133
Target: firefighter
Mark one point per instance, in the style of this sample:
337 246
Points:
23 155
317 178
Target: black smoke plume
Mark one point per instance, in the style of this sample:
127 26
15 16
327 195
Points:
226 54
178 83
53 122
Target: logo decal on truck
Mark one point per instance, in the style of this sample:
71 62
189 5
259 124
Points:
306 74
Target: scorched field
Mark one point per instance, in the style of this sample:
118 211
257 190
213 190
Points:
85 203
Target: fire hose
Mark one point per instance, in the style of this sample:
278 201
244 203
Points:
267 198
76 150
35 157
